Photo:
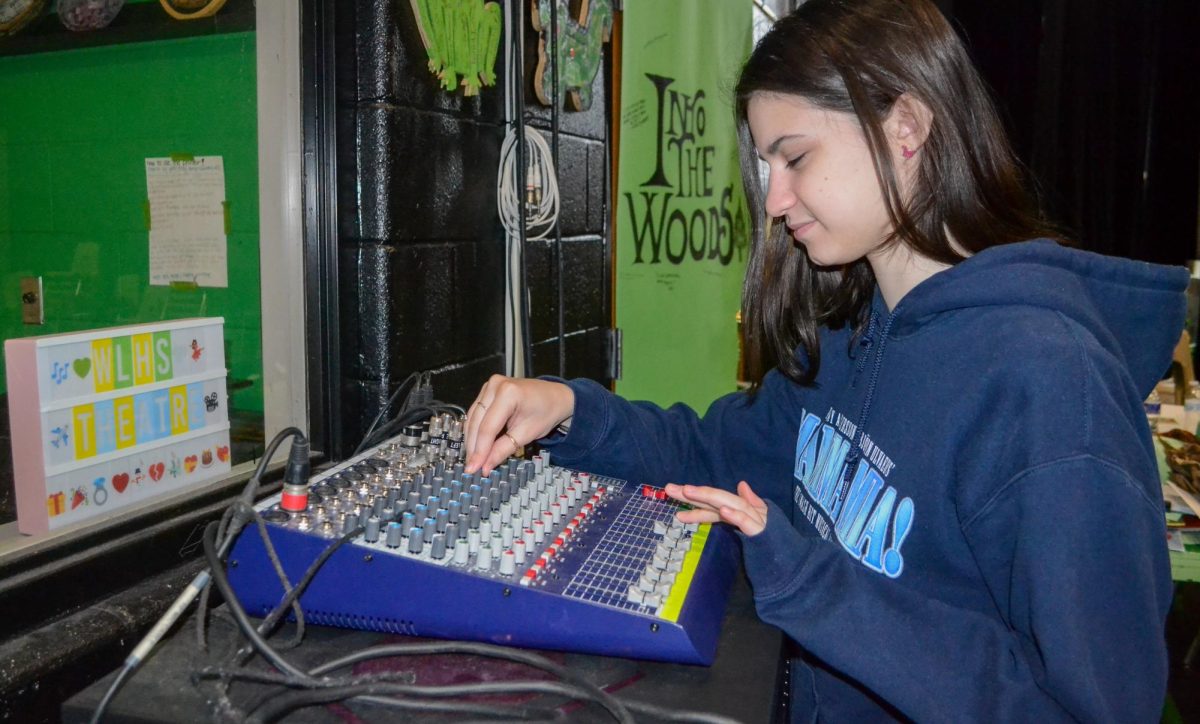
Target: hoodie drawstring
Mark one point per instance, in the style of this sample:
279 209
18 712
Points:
865 413
864 343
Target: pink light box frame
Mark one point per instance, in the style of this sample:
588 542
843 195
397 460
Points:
109 418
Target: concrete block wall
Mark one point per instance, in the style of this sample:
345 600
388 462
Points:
421 248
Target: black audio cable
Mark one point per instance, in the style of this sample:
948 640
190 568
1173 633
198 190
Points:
297 678
386 406
295 467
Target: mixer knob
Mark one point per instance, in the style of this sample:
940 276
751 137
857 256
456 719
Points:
412 500
349 523
394 534
473 538
539 531
416 541
526 517
453 510
518 549
506 536
505 513
528 536
483 559
485 529
406 487
430 527
485 504
508 563
443 520
371 531
475 490
434 502
426 492
505 491
456 488
473 517
445 495
462 553
437 550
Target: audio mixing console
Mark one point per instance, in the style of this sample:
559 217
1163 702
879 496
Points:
533 555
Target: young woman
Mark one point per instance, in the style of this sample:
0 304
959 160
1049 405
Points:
946 490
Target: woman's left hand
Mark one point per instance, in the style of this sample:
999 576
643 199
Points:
745 510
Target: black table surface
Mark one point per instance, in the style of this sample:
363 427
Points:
744 683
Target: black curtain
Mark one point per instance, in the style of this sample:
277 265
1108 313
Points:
1100 104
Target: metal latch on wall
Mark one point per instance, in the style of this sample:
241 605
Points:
615 340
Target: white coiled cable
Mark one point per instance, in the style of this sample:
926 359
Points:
540 186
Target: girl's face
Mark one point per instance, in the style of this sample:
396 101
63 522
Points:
822 179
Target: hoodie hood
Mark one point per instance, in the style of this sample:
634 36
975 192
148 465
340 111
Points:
1134 309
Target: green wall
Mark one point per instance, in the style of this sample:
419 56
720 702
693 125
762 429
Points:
75 129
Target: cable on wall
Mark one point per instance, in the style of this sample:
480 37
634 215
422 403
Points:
527 195
558 241
539 189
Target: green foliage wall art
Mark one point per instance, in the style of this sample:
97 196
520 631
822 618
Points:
462 38
579 50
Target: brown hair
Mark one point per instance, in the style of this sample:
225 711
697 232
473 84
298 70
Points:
859 57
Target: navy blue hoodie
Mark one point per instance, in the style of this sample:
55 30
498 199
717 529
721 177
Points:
965 519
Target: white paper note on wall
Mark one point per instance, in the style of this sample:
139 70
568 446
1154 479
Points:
187 221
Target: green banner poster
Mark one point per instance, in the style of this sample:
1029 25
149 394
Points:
682 226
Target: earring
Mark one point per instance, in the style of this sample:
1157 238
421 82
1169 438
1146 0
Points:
907 152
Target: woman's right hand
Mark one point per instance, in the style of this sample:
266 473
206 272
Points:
509 413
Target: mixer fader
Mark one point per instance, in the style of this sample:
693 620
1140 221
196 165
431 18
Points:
532 555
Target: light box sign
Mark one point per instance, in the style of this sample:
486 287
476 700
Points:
107 418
